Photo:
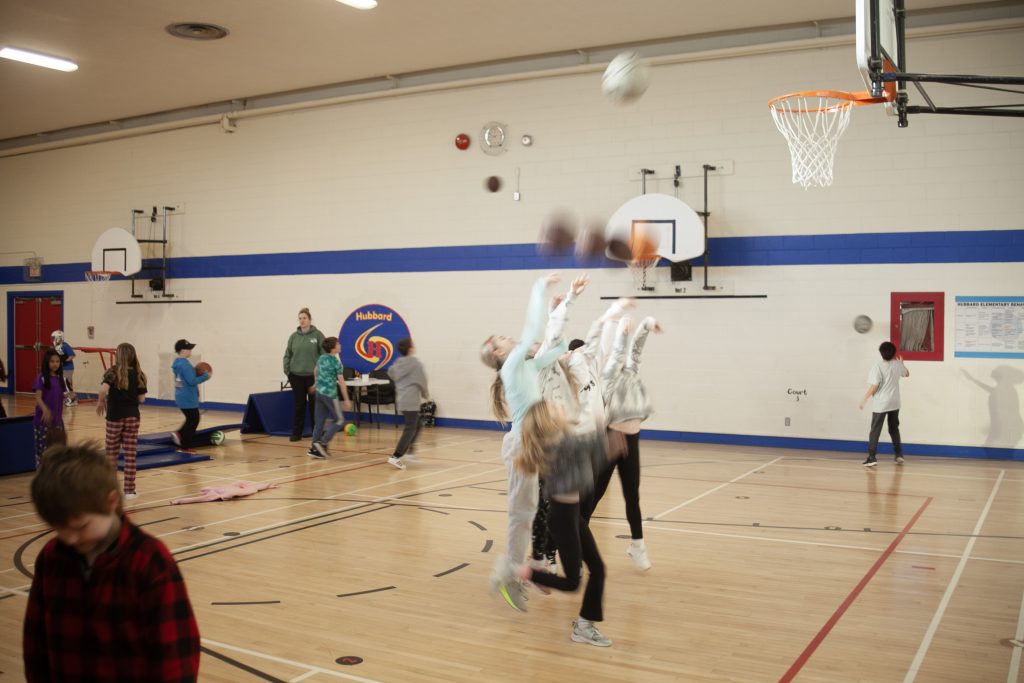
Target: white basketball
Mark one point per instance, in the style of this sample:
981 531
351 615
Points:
626 78
862 324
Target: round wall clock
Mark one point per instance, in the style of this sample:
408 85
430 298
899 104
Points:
493 139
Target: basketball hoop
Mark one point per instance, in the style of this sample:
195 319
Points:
812 123
643 271
98 275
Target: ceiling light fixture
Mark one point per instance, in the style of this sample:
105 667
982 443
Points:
37 59
360 4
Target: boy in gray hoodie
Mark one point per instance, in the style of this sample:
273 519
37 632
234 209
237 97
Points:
410 391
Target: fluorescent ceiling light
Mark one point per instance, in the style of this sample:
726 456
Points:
37 59
360 4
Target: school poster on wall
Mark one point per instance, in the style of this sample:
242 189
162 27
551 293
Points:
989 327
369 337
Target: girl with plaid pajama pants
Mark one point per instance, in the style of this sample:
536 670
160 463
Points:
122 390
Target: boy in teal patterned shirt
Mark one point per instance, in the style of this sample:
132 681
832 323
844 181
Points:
328 410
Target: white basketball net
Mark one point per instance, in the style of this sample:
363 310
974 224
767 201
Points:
97 275
812 124
643 274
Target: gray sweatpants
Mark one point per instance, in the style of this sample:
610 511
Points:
523 495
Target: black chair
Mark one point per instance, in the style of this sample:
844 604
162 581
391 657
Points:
381 394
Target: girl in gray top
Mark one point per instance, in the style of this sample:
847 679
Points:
410 391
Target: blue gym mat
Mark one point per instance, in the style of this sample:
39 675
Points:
202 435
158 455
271 413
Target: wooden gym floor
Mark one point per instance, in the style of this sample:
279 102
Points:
769 564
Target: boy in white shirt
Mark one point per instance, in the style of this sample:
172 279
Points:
884 392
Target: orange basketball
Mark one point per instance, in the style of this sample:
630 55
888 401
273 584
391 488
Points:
643 246
202 368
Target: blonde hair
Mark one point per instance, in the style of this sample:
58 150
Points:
498 398
542 430
125 359
487 356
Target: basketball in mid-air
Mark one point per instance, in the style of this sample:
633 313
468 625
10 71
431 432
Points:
557 234
217 438
862 324
643 246
203 367
590 243
626 78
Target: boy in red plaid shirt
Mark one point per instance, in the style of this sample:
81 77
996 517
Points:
107 600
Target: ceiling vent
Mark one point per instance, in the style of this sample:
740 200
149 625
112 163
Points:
194 30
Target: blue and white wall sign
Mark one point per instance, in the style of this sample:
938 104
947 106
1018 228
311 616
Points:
989 327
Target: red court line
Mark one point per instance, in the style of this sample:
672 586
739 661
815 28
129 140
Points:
794 669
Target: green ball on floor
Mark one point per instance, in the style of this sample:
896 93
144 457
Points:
351 429
217 438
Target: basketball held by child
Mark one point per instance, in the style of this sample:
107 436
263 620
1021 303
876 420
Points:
203 368
557 234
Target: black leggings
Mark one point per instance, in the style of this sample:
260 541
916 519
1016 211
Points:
543 543
629 477
301 398
188 430
409 434
576 546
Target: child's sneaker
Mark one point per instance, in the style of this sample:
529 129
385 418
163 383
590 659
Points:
313 453
410 457
396 462
870 462
899 459
320 448
131 496
639 554
589 634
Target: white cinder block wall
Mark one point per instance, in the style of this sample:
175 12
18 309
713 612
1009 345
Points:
385 174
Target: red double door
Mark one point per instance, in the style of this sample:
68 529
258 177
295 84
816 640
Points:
35 319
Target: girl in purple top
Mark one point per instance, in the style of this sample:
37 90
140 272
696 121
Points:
49 388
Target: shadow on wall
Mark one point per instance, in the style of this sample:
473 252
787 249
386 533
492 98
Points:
1006 425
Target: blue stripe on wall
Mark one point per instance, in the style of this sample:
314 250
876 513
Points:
965 246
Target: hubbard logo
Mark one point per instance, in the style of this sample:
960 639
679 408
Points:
369 336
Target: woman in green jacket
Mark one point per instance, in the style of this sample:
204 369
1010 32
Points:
304 347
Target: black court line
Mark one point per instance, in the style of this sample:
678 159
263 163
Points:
453 569
155 521
426 509
18 562
253 602
372 590
4 597
244 667
487 546
479 526
283 533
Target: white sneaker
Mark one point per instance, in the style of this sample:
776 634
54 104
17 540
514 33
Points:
639 555
396 462
589 634
410 457
131 496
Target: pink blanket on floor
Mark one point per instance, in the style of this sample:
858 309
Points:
226 492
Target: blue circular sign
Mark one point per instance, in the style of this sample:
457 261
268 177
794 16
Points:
369 337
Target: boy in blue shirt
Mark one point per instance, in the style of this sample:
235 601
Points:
67 355
329 417
186 394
